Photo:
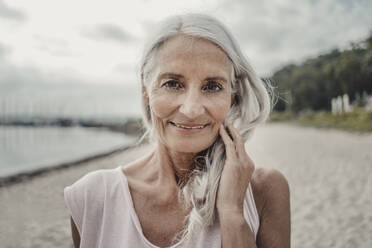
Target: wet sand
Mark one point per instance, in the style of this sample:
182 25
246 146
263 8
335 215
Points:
329 173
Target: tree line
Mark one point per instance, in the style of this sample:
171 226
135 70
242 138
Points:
313 83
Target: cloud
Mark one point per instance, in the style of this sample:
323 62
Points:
57 47
108 32
276 32
4 51
11 13
13 76
31 90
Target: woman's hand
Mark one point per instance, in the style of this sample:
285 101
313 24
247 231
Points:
236 174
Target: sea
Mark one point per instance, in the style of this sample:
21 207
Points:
26 148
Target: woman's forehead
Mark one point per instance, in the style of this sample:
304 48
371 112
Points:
189 45
183 50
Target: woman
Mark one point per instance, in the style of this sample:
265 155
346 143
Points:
197 187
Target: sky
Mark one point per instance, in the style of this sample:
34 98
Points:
100 42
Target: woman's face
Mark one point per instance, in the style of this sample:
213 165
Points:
189 93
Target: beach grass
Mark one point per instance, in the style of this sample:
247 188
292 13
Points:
359 120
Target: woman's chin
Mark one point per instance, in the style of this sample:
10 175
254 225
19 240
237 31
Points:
188 143
187 149
187 146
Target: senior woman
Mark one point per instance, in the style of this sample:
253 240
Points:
197 187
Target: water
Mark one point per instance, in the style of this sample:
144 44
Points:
27 148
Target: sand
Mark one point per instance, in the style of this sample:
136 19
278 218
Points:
329 173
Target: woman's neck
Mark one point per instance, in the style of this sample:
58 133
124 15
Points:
173 163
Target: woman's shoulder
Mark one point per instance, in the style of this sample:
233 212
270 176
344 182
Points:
93 177
90 191
93 182
268 179
270 187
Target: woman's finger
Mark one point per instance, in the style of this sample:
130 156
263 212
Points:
238 140
235 134
229 144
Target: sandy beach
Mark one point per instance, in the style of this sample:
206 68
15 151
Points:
329 173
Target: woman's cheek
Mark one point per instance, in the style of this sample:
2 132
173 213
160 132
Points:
219 108
161 104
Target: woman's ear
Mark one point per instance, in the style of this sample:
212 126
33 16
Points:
145 96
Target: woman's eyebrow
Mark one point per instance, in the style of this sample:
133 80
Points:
179 76
216 79
170 75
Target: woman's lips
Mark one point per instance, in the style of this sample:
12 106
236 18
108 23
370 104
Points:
188 126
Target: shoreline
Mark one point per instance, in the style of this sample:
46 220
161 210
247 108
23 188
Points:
26 175
130 127
30 174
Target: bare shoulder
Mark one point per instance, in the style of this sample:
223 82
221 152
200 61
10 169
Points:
272 197
269 182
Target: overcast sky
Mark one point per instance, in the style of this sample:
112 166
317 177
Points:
100 41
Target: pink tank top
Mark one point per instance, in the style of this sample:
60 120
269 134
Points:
101 206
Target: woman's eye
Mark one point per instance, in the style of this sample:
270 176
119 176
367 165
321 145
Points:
212 87
172 84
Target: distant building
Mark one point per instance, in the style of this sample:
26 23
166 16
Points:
341 104
368 105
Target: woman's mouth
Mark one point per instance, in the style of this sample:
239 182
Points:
188 126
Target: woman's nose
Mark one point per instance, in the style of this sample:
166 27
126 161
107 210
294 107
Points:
191 105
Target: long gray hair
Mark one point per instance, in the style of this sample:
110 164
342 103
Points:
251 106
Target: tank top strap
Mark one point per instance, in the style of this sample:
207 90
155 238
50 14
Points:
250 211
